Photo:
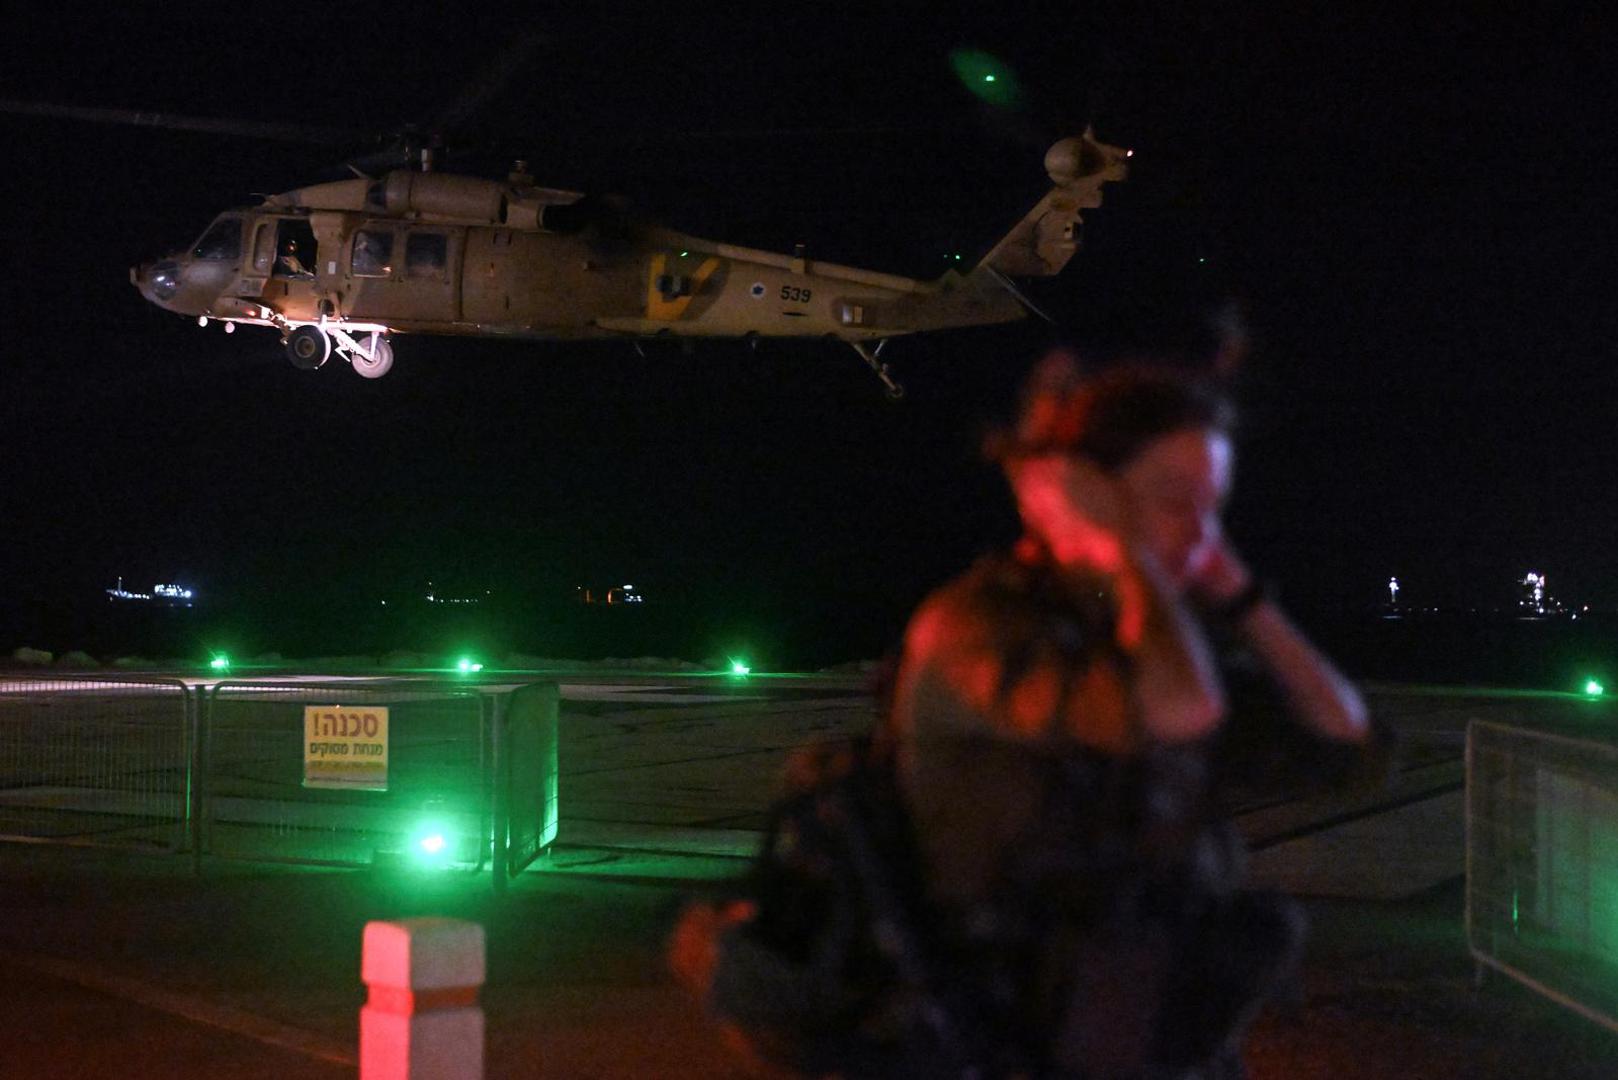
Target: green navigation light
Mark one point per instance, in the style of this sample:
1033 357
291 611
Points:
467 665
432 844
737 667
985 76
220 662
1593 688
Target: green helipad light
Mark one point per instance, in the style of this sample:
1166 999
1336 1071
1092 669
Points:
430 843
737 667
467 665
220 663
1593 688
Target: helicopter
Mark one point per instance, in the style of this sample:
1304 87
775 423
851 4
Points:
338 268
398 246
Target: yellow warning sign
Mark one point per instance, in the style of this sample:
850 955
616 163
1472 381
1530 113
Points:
345 746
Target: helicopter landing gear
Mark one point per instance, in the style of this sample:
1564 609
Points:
373 359
871 357
307 347
311 345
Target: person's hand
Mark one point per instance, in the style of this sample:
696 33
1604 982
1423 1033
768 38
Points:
1084 517
1076 509
1220 575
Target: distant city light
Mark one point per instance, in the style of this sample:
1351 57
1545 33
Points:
434 598
1536 584
168 593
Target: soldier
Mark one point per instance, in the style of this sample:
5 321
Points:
1054 731
291 263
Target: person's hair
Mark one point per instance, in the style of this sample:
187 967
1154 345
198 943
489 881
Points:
1109 417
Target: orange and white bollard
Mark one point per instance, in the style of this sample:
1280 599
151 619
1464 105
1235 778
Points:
422 1020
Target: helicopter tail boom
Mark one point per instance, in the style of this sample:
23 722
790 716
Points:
1041 244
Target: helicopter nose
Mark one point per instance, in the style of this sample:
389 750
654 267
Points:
157 281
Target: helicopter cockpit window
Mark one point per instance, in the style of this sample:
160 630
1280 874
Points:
222 241
373 253
426 255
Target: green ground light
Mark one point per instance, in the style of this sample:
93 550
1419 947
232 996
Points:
430 844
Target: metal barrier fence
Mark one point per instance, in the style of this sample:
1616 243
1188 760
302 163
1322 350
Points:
96 761
527 767
352 772
1542 863
362 773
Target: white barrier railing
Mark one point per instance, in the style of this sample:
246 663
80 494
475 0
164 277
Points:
1542 862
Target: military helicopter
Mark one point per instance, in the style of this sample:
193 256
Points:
338 268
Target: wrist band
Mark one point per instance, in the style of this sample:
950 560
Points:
1238 607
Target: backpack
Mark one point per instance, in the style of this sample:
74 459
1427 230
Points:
829 964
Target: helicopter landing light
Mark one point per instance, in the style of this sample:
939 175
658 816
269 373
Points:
202 320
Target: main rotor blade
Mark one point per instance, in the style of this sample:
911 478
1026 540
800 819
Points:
251 129
743 134
480 91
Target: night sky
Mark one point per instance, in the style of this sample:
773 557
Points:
1414 212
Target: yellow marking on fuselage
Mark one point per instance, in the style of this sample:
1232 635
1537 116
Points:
673 309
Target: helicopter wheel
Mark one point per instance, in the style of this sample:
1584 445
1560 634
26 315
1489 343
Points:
379 364
308 347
